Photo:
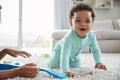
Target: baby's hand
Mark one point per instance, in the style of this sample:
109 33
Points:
69 74
100 66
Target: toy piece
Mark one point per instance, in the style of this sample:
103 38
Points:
55 74
7 66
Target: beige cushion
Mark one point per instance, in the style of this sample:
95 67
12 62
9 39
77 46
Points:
107 34
108 40
109 46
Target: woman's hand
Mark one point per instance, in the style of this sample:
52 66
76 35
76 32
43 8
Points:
29 70
100 66
69 74
15 53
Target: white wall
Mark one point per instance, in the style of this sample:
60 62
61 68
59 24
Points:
101 14
113 13
62 8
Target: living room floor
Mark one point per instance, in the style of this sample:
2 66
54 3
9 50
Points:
111 60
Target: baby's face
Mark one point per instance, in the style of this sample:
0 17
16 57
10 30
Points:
82 22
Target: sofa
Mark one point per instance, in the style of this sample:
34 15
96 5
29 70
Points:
107 33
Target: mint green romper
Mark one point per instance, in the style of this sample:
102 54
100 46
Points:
67 51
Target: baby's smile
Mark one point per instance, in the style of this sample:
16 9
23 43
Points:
82 29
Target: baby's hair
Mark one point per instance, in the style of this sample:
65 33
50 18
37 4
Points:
81 7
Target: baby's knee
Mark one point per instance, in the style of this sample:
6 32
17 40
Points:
53 65
75 65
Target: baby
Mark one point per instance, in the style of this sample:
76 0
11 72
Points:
67 51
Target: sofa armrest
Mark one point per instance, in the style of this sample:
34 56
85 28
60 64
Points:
107 34
108 40
59 34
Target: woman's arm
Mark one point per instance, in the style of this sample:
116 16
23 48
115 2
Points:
28 70
13 53
4 74
2 54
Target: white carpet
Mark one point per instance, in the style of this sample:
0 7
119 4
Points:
112 62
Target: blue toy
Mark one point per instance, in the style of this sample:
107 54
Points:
51 72
55 74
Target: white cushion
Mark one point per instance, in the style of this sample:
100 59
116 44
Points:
109 46
107 34
102 24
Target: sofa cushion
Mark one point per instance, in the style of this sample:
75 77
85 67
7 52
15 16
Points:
109 46
107 34
108 40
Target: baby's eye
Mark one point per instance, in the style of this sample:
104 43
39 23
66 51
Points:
88 21
77 20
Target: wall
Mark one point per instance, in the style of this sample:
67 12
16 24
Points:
101 14
113 13
62 8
